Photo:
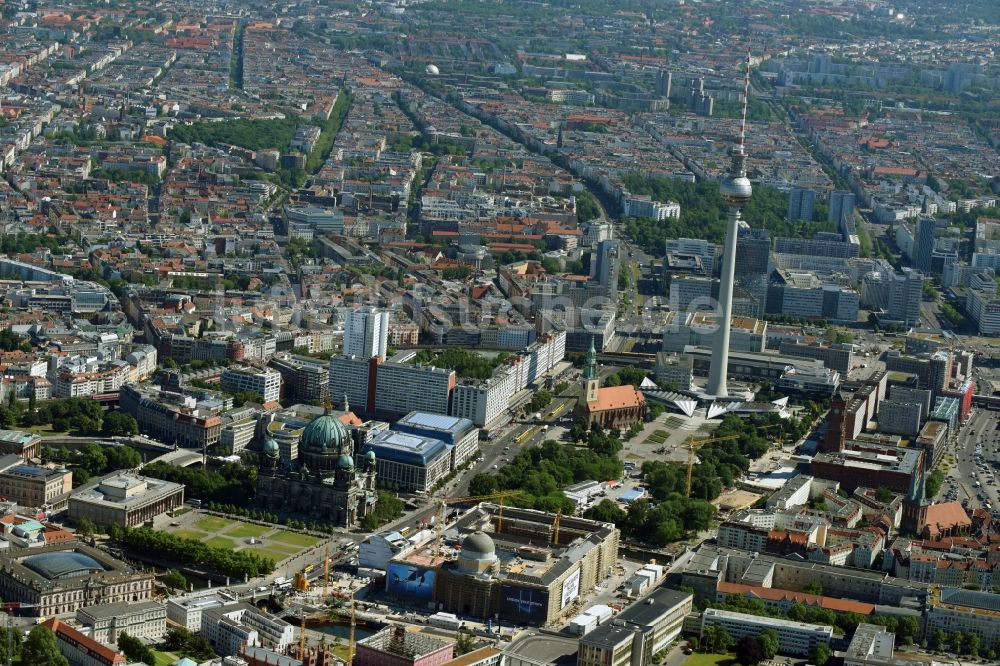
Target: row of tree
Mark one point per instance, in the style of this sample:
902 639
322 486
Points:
541 472
93 460
192 552
387 507
230 484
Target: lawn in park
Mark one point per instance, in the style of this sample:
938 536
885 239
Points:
213 523
247 530
274 551
164 658
188 534
294 539
658 437
220 542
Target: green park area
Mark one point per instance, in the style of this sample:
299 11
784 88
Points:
658 437
218 532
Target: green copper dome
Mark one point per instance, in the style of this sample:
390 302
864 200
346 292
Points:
270 447
326 434
346 462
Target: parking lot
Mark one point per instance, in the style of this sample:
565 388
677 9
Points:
975 463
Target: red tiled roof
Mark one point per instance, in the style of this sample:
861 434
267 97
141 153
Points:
779 595
105 654
616 397
947 514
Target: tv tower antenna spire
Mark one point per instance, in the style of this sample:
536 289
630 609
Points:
736 192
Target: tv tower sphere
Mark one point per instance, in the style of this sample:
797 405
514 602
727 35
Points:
736 190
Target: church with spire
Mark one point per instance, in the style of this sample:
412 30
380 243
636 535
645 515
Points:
611 406
326 481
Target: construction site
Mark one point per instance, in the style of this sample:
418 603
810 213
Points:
521 565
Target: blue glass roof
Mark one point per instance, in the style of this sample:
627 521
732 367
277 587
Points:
66 564
404 448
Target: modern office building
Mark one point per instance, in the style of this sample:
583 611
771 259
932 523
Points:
801 204
839 357
753 256
264 382
408 463
681 329
459 434
694 246
638 632
871 645
229 627
793 637
607 263
391 388
143 620
664 81
366 332
923 244
900 418
186 611
321 220
819 246
692 292
803 295
644 206
905 294
401 388
302 379
124 499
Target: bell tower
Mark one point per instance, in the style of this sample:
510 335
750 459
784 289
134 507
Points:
591 377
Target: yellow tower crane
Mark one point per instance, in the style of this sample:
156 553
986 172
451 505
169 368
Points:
695 444
444 501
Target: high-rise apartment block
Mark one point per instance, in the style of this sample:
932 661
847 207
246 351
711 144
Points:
366 332
801 204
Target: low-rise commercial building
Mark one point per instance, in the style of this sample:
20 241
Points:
171 417
229 627
144 620
266 383
81 650
793 637
639 631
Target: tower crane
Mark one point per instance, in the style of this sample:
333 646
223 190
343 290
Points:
695 444
444 501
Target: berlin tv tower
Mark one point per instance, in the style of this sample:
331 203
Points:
736 192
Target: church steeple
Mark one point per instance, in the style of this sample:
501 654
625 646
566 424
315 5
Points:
591 377
590 367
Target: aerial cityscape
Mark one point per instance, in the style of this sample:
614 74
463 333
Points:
499 333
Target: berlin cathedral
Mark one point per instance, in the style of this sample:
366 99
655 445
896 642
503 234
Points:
325 482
